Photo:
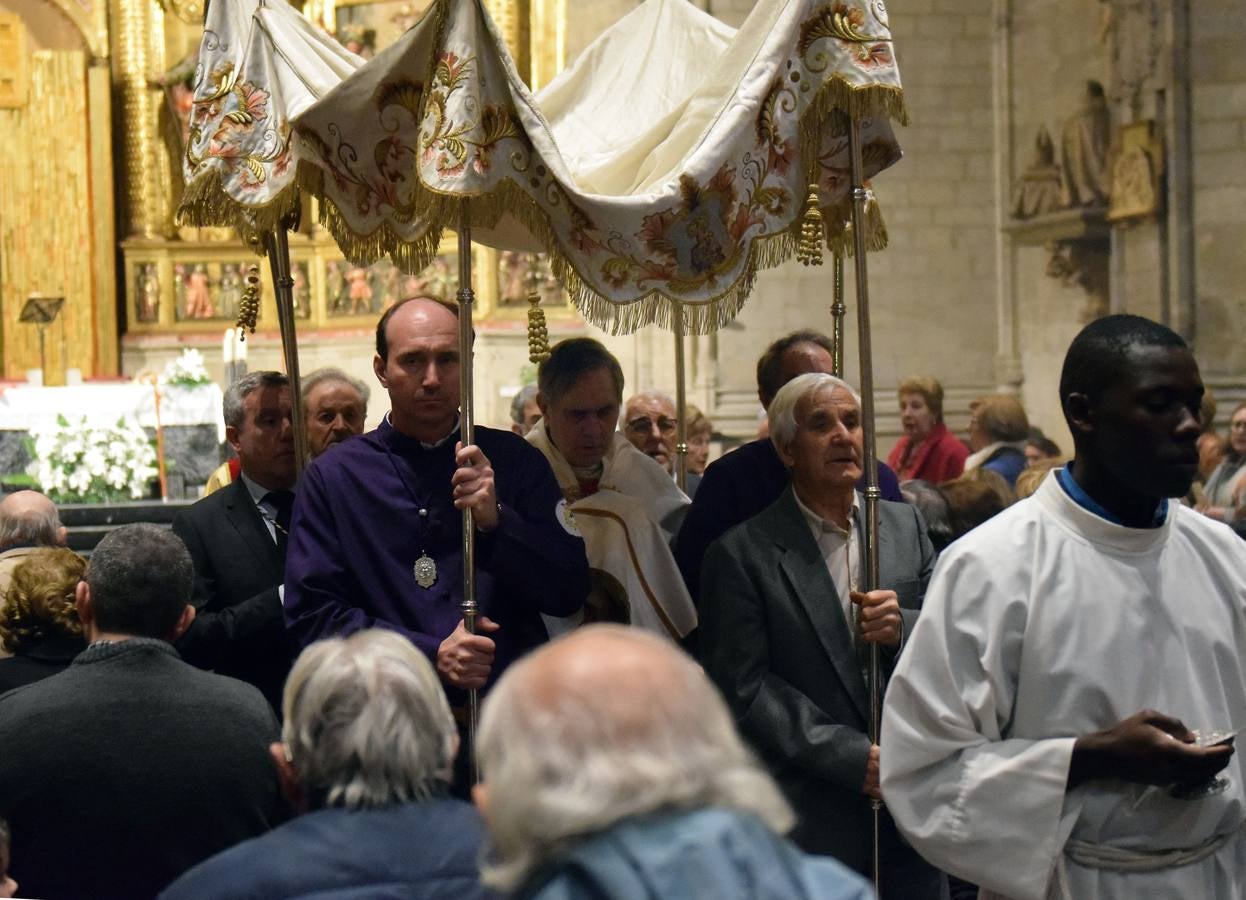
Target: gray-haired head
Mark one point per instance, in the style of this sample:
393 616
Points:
329 374
140 578
649 396
603 725
29 519
524 396
783 408
232 408
367 723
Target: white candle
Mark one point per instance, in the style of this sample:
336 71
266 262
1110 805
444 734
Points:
240 349
227 350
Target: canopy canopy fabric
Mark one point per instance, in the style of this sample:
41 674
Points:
260 65
669 164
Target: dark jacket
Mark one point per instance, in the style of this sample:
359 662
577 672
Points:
775 640
367 510
238 630
128 768
706 853
39 661
412 851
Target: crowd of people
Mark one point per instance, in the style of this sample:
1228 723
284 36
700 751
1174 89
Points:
271 699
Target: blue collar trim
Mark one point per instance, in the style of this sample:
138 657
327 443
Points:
1079 496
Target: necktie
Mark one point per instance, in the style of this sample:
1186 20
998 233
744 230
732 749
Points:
283 502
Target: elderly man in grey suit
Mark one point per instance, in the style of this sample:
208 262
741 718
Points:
783 628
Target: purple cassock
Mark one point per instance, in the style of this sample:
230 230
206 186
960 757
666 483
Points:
371 508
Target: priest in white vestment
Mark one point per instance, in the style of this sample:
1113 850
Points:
622 502
1038 733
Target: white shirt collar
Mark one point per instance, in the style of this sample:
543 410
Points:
454 430
819 525
257 491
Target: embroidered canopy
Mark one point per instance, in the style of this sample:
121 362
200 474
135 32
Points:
260 65
670 163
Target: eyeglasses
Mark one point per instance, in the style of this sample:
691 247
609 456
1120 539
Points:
644 425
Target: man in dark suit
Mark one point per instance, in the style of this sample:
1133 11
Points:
237 539
130 767
784 627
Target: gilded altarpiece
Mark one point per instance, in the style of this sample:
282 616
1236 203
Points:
57 235
183 281
46 215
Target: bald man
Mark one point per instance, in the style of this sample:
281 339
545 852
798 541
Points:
647 769
376 538
28 521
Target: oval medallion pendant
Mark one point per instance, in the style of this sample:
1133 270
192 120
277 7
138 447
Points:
425 571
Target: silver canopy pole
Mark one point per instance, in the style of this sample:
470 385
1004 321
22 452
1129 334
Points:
681 399
860 197
278 246
466 297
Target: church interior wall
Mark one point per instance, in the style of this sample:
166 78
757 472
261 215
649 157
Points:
1218 101
940 303
1050 65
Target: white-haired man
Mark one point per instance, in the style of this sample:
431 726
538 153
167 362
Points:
28 522
650 422
335 407
783 624
367 750
646 792
524 410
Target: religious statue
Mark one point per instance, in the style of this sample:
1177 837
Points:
199 294
229 289
360 290
335 288
1038 190
1085 140
1137 172
148 293
302 290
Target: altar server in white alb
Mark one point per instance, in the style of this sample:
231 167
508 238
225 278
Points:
1039 736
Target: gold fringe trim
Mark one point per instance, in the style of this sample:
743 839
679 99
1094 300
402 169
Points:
205 204
700 317
839 98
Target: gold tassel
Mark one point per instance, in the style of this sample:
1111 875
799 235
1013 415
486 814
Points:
809 250
249 305
538 333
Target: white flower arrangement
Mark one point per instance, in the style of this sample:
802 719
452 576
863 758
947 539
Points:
92 464
186 371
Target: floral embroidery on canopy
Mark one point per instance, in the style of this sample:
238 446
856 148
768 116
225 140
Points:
239 161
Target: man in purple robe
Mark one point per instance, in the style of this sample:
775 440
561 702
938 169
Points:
376 538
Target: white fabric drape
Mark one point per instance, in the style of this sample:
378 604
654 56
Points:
627 527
